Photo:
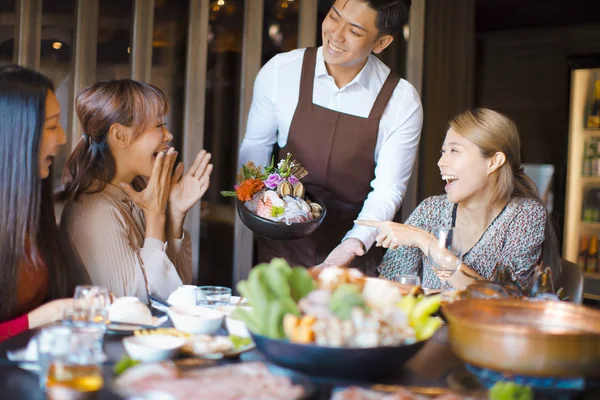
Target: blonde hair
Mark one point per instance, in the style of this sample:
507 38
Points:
494 132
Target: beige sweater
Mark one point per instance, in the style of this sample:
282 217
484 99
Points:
107 231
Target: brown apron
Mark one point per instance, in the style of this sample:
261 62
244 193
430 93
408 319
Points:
338 151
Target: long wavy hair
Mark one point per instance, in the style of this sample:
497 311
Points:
98 107
28 231
494 132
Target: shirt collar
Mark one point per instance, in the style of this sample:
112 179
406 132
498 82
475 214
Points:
363 78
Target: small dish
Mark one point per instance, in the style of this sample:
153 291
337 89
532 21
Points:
152 348
214 347
196 319
236 327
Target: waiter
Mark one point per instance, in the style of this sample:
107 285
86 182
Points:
350 122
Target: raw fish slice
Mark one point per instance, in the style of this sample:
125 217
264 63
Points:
264 209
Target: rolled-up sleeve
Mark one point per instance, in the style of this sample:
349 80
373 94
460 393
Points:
179 252
394 166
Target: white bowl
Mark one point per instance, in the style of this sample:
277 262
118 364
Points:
236 327
151 348
196 319
234 300
130 310
184 296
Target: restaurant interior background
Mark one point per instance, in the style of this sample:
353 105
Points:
509 55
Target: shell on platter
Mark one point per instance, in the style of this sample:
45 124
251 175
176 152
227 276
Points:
285 189
316 209
299 190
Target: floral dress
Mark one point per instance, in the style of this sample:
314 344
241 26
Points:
514 239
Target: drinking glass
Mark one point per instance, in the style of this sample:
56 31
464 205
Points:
412 280
444 254
90 296
73 370
90 314
213 296
53 343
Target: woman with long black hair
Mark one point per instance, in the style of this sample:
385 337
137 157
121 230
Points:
33 267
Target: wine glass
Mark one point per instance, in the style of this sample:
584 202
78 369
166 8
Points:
444 254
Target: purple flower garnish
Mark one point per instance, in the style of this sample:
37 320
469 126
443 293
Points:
293 180
272 181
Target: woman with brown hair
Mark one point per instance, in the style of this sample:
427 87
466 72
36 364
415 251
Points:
489 199
34 269
125 206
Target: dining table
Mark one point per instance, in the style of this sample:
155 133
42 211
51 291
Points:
434 366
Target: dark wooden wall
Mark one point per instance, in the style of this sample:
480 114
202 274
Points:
524 74
448 81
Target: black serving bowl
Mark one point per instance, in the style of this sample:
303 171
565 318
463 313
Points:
364 364
279 230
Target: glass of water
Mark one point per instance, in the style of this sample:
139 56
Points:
445 253
90 314
213 296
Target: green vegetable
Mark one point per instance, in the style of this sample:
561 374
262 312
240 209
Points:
273 290
510 391
301 284
419 310
124 364
344 299
424 308
239 341
276 211
407 304
427 328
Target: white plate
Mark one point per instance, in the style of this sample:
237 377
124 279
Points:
156 323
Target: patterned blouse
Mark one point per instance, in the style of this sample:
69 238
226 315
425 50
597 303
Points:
514 239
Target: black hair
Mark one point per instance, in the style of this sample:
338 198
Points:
391 14
28 231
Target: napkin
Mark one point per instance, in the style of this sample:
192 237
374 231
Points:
28 354
27 358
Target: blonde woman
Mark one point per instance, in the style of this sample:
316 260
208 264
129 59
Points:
489 199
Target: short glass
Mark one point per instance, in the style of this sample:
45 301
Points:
68 363
53 343
213 296
412 280
76 374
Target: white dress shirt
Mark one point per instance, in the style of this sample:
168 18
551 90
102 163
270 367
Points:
276 92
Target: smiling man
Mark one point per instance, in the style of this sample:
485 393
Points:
354 126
